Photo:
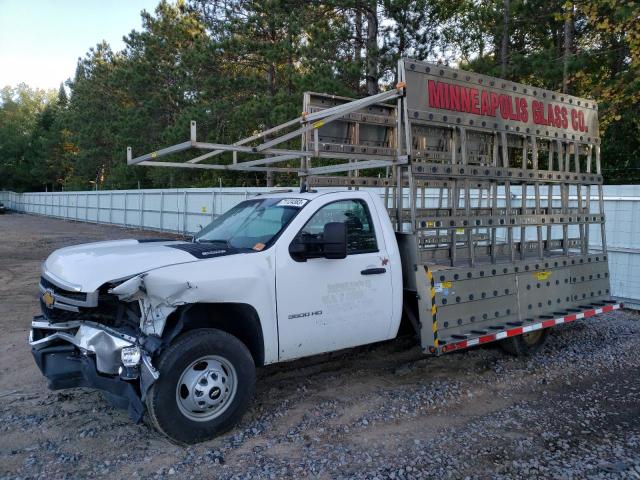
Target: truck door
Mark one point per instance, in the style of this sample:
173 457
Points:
329 304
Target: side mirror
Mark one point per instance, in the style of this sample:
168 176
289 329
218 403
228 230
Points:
332 245
334 239
298 250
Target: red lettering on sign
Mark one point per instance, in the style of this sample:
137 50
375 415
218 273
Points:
563 114
513 109
535 112
582 126
474 101
436 94
484 102
465 100
459 98
454 97
494 103
524 114
505 105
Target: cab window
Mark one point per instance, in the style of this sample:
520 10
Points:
361 237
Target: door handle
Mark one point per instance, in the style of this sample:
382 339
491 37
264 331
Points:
373 271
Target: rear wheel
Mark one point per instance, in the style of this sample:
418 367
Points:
525 344
207 378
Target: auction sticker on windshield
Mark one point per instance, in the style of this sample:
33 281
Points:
292 202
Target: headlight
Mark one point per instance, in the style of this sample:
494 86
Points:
130 356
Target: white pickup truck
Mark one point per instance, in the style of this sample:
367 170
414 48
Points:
277 277
479 238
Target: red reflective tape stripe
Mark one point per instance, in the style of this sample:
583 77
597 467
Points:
453 346
514 332
520 330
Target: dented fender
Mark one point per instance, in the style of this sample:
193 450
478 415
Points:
244 278
157 300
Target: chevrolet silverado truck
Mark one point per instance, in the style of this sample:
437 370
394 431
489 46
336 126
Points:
471 210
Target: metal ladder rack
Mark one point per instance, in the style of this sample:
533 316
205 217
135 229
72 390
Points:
263 145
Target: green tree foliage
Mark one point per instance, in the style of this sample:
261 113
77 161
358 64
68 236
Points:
238 66
589 48
29 123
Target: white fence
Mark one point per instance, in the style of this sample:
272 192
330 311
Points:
171 210
186 210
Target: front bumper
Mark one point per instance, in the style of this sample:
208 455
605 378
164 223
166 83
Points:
64 368
86 354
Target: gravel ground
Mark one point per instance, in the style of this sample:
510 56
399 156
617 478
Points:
381 411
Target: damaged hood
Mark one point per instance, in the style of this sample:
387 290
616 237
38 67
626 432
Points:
86 267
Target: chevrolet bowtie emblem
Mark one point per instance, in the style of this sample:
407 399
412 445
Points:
48 299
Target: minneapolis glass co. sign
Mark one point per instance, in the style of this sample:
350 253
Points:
456 97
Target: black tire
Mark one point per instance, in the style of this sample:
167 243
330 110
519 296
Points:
525 344
165 413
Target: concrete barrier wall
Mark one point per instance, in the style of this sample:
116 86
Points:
186 210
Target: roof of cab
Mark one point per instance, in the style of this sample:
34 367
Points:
294 194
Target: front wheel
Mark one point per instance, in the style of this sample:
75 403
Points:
525 344
207 378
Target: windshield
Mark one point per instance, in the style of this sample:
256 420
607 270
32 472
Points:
252 224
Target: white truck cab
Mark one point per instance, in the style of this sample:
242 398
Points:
265 271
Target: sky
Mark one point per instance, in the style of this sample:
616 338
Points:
41 40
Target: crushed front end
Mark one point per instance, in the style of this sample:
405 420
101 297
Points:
93 340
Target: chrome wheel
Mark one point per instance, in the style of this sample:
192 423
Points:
206 388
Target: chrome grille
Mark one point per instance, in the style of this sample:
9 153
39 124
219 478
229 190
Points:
78 296
66 299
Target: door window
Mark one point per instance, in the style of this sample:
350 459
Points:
361 237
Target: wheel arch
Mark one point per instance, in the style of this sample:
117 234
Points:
238 319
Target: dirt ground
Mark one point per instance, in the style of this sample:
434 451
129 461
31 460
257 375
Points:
381 411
